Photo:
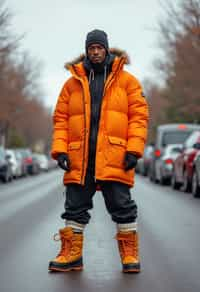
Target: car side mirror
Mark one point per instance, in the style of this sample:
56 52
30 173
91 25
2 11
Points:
196 146
178 150
7 156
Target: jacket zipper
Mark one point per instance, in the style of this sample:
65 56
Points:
104 91
96 129
84 140
84 114
113 75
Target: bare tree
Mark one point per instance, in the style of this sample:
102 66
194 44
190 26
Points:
157 106
22 111
180 44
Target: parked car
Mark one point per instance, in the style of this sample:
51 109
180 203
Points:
52 163
5 167
165 164
42 161
168 134
21 161
196 175
16 166
35 168
30 163
144 162
183 164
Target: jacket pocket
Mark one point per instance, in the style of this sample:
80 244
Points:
75 155
117 141
115 151
74 145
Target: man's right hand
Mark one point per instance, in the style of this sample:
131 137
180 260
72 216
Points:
63 161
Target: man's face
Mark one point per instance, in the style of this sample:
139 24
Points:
96 53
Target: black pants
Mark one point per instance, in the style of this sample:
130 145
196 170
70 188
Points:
116 195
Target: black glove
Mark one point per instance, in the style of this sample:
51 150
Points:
130 161
63 161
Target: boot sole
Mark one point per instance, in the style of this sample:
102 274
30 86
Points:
54 269
73 266
131 268
132 271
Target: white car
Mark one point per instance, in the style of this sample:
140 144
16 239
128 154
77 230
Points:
15 163
42 161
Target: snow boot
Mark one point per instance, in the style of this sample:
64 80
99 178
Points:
70 255
128 244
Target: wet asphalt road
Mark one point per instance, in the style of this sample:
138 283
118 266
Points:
169 226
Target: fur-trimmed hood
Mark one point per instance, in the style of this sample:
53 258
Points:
114 51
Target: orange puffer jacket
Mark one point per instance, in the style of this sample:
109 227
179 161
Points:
122 125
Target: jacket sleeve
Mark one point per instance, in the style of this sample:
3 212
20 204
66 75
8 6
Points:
60 123
138 116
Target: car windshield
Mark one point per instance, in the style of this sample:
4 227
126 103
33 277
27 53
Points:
172 149
25 152
175 137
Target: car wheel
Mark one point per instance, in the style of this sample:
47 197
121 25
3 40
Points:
186 185
5 179
195 185
10 177
164 181
155 179
175 185
145 172
149 174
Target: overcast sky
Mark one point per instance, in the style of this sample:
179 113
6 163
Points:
55 33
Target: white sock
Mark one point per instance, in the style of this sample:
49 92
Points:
77 227
126 227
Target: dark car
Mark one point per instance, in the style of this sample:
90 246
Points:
5 166
183 164
196 175
165 135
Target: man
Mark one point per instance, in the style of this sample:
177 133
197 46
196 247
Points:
100 128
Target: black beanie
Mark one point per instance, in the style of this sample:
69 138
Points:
96 36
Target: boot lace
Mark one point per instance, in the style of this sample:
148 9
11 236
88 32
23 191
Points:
65 244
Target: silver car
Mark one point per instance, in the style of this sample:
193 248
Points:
196 176
166 135
42 161
165 164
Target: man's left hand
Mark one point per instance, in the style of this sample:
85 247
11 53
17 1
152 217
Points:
130 161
